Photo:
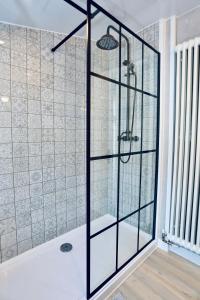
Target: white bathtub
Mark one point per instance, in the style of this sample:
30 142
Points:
45 273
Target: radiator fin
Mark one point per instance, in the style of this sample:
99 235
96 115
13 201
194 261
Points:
184 226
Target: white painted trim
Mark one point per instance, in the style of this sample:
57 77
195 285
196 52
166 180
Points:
181 142
187 143
185 253
192 168
171 119
163 246
161 176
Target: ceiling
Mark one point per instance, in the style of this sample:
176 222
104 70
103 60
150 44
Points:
57 15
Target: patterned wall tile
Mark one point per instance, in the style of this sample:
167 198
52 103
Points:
42 138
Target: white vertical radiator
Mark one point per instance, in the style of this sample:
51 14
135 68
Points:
184 223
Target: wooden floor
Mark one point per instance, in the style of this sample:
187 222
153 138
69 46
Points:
162 276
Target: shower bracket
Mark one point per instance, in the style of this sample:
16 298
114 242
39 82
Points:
81 25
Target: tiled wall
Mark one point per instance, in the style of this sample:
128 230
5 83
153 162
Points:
150 35
130 172
42 138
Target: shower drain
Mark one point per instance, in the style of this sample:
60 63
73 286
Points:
66 247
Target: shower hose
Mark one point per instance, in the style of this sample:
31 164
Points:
132 124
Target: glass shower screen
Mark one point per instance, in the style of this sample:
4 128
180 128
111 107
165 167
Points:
122 146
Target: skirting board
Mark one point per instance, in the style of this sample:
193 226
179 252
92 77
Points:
162 245
185 253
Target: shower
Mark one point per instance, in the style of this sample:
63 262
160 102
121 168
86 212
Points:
108 42
79 141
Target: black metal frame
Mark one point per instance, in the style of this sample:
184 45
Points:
89 159
88 124
90 73
81 25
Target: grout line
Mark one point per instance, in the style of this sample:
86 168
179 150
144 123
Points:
12 140
28 140
65 154
75 118
54 141
42 183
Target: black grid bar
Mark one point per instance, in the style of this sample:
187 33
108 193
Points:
69 36
101 9
119 150
81 25
88 125
157 152
122 154
121 219
122 84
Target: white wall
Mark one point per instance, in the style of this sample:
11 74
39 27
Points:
188 25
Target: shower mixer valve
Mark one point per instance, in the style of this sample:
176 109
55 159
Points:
126 137
130 66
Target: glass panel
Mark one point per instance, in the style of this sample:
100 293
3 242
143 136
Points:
130 120
105 60
103 256
104 117
149 123
148 178
146 225
129 185
131 60
105 176
150 71
103 193
128 233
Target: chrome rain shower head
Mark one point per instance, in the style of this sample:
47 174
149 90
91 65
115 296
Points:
107 42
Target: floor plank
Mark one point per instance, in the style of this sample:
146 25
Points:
163 276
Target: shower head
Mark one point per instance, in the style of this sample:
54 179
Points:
107 42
